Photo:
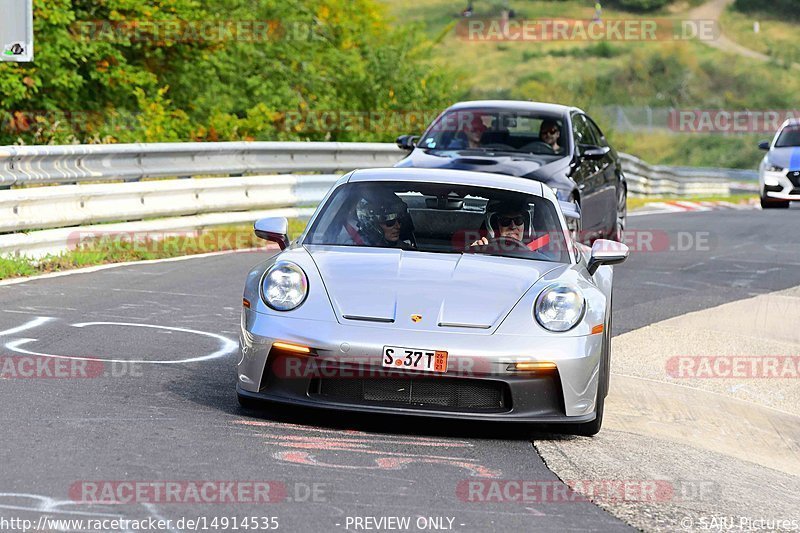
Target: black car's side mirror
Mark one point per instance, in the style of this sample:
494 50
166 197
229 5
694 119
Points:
591 151
407 142
764 145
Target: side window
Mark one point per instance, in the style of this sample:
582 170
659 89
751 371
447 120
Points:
598 135
582 133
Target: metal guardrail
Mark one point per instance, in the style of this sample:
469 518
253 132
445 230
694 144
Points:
653 180
56 213
100 162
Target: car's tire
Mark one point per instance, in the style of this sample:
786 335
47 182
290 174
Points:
575 227
773 204
247 403
589 429
621 216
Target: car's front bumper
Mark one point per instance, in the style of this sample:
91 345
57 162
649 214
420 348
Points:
346 372
783 185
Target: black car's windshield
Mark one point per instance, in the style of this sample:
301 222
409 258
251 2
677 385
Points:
442 218
519 132
790 136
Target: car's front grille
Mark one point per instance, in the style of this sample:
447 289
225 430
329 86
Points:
419 392
794 177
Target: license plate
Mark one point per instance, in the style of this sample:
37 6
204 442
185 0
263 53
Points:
414 359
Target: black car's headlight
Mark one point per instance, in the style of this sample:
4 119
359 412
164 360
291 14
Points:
284 286
559 307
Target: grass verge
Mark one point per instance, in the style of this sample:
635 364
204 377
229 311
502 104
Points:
637 203
124 247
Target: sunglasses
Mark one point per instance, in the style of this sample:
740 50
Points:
506 221
390 223
550 132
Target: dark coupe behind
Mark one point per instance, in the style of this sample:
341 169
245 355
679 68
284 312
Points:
558 145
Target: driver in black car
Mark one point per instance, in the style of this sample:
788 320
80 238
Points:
549 133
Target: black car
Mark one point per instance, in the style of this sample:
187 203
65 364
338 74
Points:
558 145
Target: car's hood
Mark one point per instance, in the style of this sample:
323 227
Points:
455 292
788 157
513 165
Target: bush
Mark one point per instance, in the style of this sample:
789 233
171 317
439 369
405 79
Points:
640 5
781 9
92 83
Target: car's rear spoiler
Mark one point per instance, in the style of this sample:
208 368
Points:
570 209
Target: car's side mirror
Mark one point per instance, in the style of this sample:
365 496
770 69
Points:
275 229
606 252
591 151
764 145
407 142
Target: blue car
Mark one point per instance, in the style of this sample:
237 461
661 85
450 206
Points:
779 171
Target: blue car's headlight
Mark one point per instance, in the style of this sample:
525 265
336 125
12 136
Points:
774 168
559 307
284 286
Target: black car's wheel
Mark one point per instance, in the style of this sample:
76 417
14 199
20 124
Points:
773 204
575 226
621 219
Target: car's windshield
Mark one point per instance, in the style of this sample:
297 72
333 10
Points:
790 136
441 218
522 132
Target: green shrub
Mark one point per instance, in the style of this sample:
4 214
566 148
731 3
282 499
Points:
778 8
640 5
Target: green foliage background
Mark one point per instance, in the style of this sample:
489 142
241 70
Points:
93 82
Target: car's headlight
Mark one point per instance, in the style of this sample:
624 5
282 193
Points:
559 307
284 286
773 168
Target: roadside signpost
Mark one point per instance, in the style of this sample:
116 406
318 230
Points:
16 30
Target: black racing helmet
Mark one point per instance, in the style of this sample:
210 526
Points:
376 207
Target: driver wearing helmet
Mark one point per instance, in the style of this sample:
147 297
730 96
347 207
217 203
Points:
381 219
510 222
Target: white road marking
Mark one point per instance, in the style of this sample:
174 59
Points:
38 321
227 345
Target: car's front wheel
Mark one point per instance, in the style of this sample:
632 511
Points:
589 429
575 226
621 216
247 403
773 204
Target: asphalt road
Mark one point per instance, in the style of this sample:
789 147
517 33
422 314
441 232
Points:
173 417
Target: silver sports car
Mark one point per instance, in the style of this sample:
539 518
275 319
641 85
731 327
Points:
441 293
